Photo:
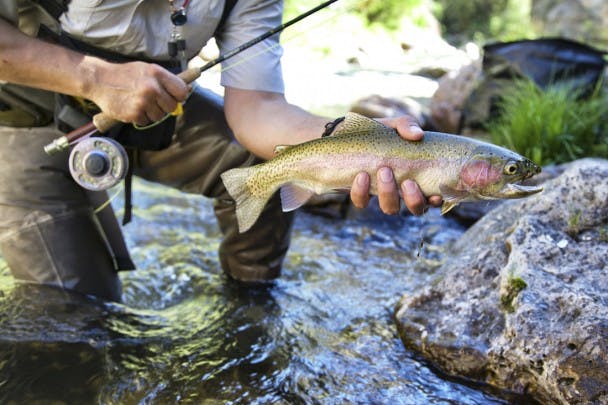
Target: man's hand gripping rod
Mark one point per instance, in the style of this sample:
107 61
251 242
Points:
102 122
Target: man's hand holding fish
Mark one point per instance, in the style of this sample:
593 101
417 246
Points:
248 111
388 193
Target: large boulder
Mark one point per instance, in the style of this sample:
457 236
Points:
450 98
521 304
581 20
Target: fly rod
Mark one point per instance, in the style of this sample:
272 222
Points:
102 123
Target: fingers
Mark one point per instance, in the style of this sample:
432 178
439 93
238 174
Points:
154 95
166 91
388 196
359 192
135 92
435 200
413 197
174 91
175 87
407 127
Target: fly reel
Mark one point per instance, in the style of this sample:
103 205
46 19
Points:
98 163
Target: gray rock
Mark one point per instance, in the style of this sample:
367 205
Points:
522 304
581 20
453 91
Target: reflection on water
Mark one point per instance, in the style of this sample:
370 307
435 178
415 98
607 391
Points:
324 333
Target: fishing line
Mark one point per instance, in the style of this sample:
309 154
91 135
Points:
266 49
167 115
242 60
101 122
279 44
108 201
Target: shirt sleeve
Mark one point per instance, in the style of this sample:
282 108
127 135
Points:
259 67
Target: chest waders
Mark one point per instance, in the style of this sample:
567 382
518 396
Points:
50 235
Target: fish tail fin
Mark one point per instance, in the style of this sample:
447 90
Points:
248 206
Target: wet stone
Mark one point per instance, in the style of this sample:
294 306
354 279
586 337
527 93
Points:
540 325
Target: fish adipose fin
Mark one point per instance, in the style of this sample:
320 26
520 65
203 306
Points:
248 206
293 197
354 123
451 198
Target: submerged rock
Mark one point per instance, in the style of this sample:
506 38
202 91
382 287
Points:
522 303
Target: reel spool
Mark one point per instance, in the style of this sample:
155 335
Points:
98 163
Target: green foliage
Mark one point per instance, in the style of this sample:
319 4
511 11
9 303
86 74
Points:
481 20
512 288
574 223
461 20
293 8
552 126
385 13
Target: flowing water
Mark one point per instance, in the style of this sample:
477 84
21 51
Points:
324 333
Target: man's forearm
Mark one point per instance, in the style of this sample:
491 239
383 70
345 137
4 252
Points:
35 63
262 120
131 92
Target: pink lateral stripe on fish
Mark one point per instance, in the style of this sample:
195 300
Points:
455 167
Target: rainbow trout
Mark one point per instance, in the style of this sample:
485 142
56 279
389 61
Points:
455 167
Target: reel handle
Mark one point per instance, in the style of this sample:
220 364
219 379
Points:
103 123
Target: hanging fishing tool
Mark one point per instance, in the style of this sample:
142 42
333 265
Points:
100 164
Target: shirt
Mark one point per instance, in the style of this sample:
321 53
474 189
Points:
142 28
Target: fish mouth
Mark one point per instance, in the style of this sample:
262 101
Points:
514 190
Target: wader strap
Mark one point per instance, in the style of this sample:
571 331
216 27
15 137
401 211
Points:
126 217
54 7
228 6
75 44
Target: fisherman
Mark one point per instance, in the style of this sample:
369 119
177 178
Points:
120 57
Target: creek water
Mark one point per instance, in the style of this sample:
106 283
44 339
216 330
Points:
323 333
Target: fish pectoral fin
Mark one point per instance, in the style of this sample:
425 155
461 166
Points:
293 197
451 197
447 206
281 148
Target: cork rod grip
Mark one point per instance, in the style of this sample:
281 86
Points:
103 123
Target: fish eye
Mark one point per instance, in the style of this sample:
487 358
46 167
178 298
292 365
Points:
510 168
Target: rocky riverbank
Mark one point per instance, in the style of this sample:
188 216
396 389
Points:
521 304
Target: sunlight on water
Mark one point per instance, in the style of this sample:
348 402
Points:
324 333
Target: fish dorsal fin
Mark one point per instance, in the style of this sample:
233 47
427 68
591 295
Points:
354 123
281 148
293 197
451 197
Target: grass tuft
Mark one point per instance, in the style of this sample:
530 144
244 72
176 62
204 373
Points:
551 126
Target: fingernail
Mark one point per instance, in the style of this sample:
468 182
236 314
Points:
416 130
361 180
386 175
410 187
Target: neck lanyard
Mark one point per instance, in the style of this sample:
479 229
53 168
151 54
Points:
177 44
